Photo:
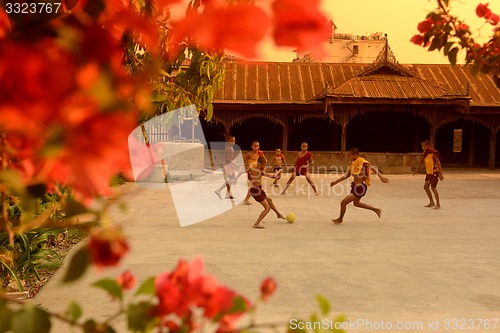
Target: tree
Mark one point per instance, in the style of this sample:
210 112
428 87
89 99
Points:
443 31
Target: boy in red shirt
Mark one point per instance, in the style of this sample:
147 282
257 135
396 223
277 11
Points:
304 160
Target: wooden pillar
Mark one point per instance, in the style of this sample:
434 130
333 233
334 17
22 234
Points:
227 132
343 137
493 142
284 146
471 146
432 137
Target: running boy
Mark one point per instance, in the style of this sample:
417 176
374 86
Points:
304 160
433 173
278 161
360 170
251 158
230 169
255 173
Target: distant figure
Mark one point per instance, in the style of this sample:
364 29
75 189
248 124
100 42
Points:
433 173
360 170
278 161
304 160
255 173
230 169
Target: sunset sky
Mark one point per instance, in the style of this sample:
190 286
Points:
397 18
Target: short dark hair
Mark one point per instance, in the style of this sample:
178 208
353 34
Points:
354 151
425 142
261 160
231 137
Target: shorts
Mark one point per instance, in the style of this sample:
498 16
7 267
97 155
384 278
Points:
277 168
258 193
230 171
432 178
359 190
301 171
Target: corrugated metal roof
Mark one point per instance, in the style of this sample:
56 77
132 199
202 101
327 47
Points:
300 82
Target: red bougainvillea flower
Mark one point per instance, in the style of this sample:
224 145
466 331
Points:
187 287
126 280
493 19
417 39
425 26
107 246
231 27
299 23
267 288
482 10
463 27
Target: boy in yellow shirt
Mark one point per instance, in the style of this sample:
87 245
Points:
360 170
433 173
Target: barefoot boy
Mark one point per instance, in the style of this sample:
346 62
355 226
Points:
230 169
433 173
278 161
255 174
251 158
360 170
304 160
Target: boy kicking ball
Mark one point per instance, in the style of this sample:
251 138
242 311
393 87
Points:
255 174
360 170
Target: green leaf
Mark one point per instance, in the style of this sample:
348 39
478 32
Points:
239 305
31 319
138 317
147 287
452 56
210 111
74 208
436 43
91 326
447 47
78 265
5 317
111 286
324 305
74 311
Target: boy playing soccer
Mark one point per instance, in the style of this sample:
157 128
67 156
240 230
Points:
304 160
433 172
360 170
255 173
278 161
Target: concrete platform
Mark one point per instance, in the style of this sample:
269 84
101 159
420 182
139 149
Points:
416 266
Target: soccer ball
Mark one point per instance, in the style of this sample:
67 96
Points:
291 217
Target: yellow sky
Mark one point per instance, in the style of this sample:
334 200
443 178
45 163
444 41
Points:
397 18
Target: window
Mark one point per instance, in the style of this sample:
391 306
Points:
457 140
355 49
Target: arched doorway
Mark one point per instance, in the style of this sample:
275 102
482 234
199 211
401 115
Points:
213 131
395 132
319 133
458 140
268 133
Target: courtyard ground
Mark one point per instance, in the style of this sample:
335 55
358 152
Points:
415 267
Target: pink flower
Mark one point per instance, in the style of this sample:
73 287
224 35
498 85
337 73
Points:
425 26
417 39
482 10
299 23
126 280
268 287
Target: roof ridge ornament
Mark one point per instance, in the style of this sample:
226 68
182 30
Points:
386 58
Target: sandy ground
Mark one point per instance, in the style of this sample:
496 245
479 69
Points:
413 270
